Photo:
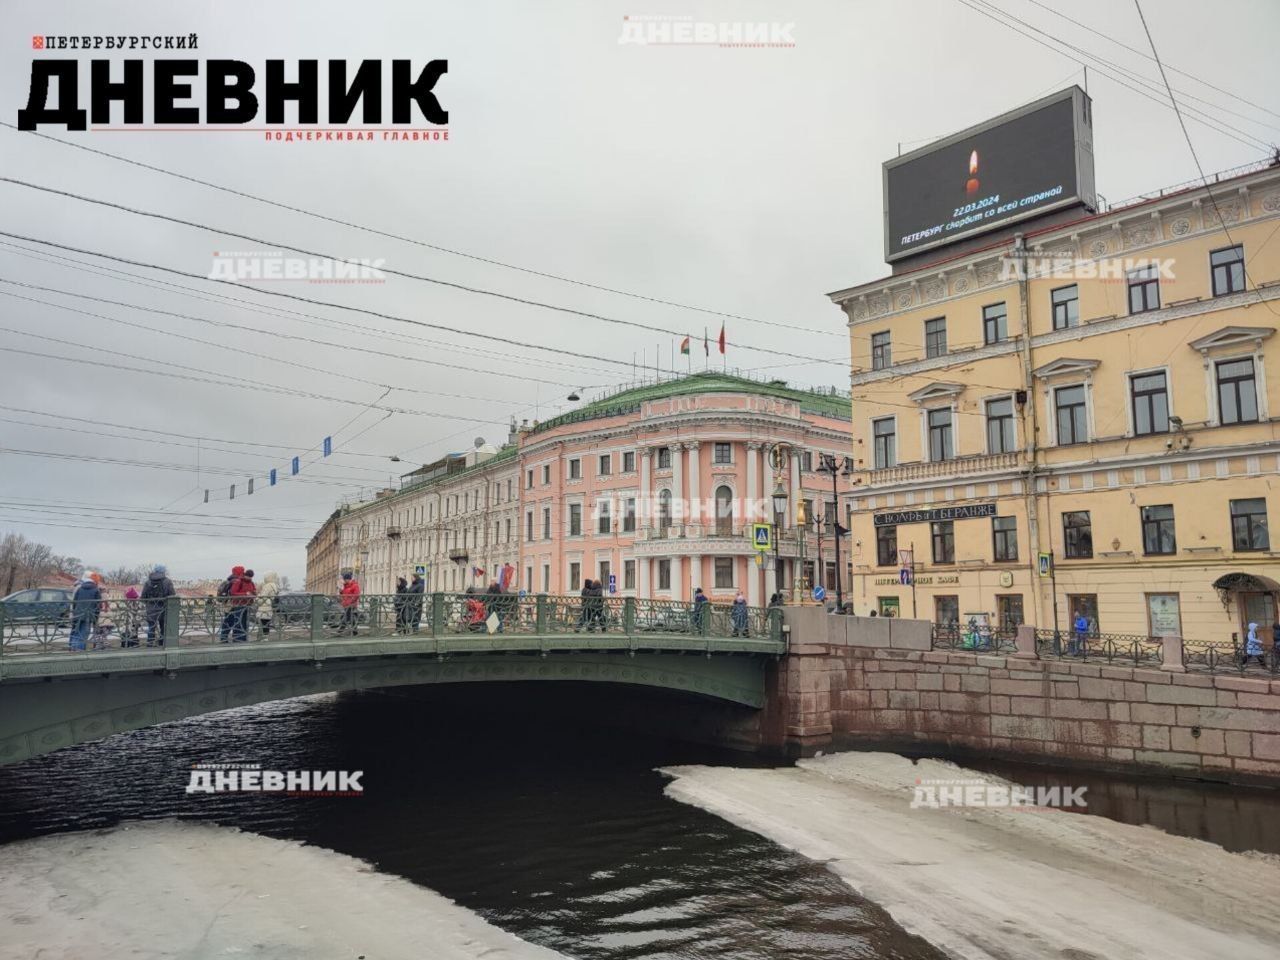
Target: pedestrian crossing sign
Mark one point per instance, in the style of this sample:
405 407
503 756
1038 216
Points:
762 536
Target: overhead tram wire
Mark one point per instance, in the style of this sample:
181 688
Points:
223 346
449 284
1219 126
258 331
9 502
335 306
415 242
125 517
1132 74
150 532
1147 56
282 313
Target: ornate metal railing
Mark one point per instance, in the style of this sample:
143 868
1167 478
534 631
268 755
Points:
1132 648
974 639
1226 656
140 624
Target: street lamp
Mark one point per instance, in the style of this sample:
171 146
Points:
779 507
828 465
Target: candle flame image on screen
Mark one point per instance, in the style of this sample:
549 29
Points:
972 186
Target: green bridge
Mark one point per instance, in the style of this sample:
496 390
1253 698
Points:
73 673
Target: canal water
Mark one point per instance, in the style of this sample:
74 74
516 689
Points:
551 827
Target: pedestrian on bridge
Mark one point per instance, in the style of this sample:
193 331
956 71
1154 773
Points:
417 588
700 608
155 591
738 615
349 598
402 604
243 592
1253 647
85 606
267 594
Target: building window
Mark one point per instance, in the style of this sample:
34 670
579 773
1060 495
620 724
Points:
1157 531
946 611
528 480
1237 392
546 523
1000 425
629 515
546 578
806 461
885 441
507 529
1004 536
604 517
944 541
575 575
887 546
1066 307
724 573
575 469
723 453
1227 267
1072 423
664 574
1144 289
664 509
1249 524
628 574
606 570
941 443
628 461
1077 535
1009 610
881 350
935 337
546 474
724 512
606 465
995 323
1150 403
575 519
509 497
664 458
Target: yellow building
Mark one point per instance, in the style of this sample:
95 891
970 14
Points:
1117 409
324 556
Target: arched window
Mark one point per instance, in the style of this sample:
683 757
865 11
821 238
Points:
724 512
664 509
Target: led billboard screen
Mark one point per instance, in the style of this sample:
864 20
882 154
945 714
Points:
1025 163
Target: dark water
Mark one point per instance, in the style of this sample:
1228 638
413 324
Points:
551 827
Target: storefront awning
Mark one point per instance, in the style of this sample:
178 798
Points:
1246 582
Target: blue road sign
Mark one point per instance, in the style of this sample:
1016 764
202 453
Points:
904 576
819 593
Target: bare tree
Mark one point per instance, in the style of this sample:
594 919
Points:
25 563
284 585
126 574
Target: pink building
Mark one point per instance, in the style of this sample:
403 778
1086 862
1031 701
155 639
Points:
659 485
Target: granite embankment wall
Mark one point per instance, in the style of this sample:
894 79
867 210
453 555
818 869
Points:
852 681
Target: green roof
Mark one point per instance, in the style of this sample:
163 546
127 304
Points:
828 404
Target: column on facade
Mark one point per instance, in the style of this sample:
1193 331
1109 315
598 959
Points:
753 494
695 575
678 590
677 484
642 578
644 497
695 485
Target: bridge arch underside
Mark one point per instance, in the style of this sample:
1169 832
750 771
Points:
39 717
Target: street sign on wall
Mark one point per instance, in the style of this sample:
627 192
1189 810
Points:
762 536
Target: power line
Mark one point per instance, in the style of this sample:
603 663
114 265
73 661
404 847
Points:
465 288
419 243
115 508
124 516
162 533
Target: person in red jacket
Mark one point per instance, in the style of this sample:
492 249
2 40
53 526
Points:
241 593
349 597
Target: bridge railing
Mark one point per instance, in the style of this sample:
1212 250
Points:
122 625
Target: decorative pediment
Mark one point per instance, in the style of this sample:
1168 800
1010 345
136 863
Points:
937 391
1066 366
1231 337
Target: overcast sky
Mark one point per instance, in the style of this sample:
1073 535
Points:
742 180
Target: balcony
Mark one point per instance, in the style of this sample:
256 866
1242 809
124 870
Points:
945 469
393 533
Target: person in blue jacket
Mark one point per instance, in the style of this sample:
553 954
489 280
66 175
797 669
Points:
85 604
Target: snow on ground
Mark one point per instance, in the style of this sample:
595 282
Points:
1001 883
197 891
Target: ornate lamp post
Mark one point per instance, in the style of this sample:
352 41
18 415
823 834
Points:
828 465
779 507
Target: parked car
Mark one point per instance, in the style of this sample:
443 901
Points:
671 620
45 605
296 608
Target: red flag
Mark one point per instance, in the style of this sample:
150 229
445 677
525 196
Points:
722 337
